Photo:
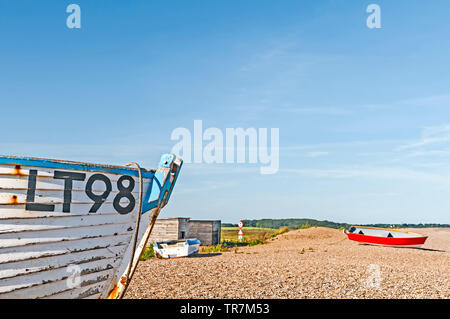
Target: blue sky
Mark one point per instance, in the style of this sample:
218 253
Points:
364 114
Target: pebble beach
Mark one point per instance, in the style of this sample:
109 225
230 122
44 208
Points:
308 263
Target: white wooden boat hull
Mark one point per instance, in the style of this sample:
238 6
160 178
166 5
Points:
176 249
76 230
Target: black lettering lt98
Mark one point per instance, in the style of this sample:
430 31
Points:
69 177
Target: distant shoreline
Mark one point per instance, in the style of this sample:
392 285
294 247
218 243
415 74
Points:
299 222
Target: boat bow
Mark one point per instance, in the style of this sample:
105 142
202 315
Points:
76 230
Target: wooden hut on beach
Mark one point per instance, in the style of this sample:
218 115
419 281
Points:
207 231
176 228
179 228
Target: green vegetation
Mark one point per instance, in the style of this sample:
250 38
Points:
283 230
255 242
305 226
214 249
147 253
301 223
292 223
231 233
252 236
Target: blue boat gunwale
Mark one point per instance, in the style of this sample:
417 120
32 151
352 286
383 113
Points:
64 164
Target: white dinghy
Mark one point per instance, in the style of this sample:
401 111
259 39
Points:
176 248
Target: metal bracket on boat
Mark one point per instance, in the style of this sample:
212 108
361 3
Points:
162 183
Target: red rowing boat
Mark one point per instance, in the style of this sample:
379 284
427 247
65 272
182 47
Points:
385 236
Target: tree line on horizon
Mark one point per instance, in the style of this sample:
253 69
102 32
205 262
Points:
296 223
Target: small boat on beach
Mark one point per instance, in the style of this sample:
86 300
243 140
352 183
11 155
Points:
385 236
176 248
76 230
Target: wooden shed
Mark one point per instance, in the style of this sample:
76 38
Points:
207 231
176 228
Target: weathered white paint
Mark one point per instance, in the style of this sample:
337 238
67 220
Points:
37 248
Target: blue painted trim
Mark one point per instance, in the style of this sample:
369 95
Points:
194 241
158 188
38 162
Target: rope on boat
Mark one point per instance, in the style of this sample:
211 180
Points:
138 220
